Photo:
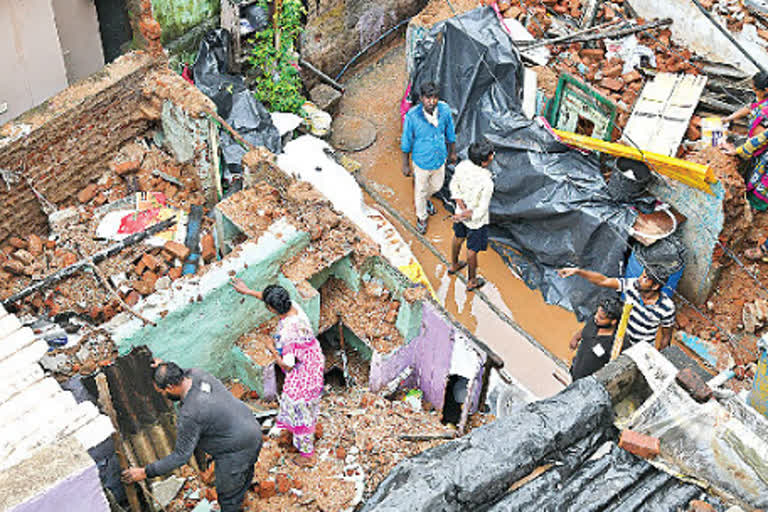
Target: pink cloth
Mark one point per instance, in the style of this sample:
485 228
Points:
405 105
305 381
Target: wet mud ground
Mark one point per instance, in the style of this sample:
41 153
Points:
374 92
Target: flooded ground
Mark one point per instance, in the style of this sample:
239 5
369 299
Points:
374 93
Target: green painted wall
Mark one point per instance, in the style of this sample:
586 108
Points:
203 333
177 17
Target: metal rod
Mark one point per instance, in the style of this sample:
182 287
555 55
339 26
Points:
620 33
537 44
727 34
330 81
90 260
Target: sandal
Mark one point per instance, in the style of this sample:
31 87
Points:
479 282
421 226
460 266
756 254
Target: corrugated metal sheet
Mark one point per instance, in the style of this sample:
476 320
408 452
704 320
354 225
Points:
34 410
663 111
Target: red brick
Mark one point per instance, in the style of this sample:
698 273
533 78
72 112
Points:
613 71
700 506
632 76
23 256
611 84
175 273
693 385
283 483
87 193
595 54
94 313
150 262
15 267
209 247
150 278
35 245
341 453
50 244
124 167
267 489
318 430
132 298
238 390
393 311
100 199
639 444
68 258
176 249
18 243
143 287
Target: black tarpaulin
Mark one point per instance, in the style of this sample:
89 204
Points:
569 435
234 102
551 206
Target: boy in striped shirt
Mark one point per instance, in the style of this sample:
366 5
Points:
651 311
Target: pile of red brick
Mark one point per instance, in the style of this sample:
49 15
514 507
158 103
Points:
28 257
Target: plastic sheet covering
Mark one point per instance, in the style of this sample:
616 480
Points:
211 70
613 481
252 121
475 471
723 446
550 206
234 102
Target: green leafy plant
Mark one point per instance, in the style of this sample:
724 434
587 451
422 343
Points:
278 83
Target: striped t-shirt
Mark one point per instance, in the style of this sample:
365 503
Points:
645 319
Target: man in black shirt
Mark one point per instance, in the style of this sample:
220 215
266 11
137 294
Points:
210 418
595 340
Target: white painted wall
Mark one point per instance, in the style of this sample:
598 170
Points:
30 55
78 28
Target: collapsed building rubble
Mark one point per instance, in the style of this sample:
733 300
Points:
147 150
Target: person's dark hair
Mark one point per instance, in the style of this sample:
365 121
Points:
480 151
428 90
612 307
657 275
168 374
277 298
760 80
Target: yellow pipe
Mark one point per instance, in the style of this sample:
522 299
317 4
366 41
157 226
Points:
618 342
694 175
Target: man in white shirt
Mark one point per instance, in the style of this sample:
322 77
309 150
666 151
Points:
472 188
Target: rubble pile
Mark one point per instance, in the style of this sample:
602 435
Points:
332 236
370 313
358 443
140 169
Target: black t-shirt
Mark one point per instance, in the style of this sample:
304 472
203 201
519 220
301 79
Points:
593 353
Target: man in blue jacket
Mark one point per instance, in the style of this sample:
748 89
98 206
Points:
429 137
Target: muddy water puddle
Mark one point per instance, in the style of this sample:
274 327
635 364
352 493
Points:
375 93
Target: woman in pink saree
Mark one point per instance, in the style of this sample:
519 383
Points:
298 353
